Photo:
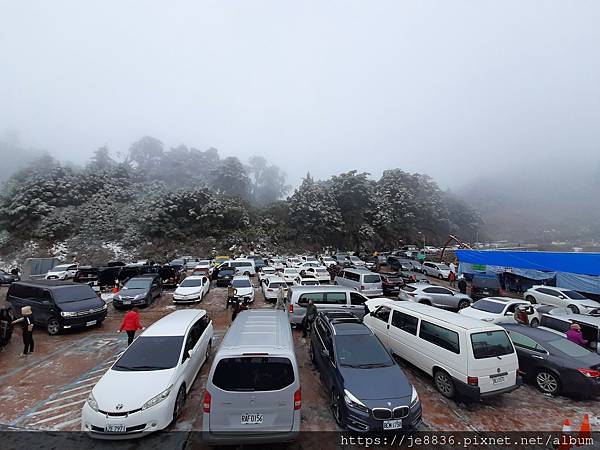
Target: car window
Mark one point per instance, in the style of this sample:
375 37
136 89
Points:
336 298
316 297
574 295
488 306
439 336
437 290
191 340
361 350
383 313
372 279
405 322
555 323
546 291
250 374
150 353
490 344
357 299
522 341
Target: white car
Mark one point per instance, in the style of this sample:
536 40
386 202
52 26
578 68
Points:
146 388
494 309
264 272
270 287
328 261
62 272
561 298
437 270
307 265
192 289
306 259
356 261
289 274
320 273
205 264
243 287
301 281
293 262
277 263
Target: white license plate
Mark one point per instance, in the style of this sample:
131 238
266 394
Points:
127 302
90 323
392 424
251 419
498 380
115 428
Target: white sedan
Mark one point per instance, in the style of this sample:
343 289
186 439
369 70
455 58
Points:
320 273
289 274
495 309
265 272
561 298
243 288
62 272
192 289
437 270
270 287
300 281
145 390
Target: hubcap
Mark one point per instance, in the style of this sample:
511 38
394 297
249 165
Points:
53 327
179 402
443 384
547 382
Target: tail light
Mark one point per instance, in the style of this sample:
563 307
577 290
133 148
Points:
269 290
590 373
206 402
472 381
297 400
291 308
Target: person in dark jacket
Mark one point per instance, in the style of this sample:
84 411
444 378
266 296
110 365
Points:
309 317
462 285
26 322
131 323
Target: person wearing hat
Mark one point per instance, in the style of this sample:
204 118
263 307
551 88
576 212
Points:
26 321
574 335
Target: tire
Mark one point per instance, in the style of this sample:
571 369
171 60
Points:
53 327
531 299
336 408
463 304
425 302
440 276
208 347
574 309
547 382
444 384
311 354
179 402
534 323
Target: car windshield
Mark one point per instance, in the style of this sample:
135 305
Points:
203 262
151 353
310 283
226 271
191 283
321 271
355 258
73 294
487 306
277 285
139 283
570 348
361 351
291 271
241 283
268 270
490 344
409 288
574 295
250 374
372 279
177 262
60 268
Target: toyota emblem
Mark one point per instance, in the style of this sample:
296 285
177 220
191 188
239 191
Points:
498 370
119 406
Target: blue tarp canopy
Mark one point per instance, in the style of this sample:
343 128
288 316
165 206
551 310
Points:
575 263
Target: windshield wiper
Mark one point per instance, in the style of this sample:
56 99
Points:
147 368
372 365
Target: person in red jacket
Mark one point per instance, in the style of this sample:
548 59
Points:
131 323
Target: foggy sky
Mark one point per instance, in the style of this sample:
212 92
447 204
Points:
454 89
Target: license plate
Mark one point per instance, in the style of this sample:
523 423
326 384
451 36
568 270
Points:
127 302
90 323
498 380
251 419
116 428
392 424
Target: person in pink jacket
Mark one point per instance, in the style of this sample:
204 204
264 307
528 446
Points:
574 335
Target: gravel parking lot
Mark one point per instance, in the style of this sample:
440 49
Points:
46 390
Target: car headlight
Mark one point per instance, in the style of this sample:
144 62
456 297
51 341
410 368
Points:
67 313
137 297
92 402
488 319
353 402
105 306
158 398
414 399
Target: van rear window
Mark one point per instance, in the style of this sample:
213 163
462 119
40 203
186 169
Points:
372 279
490 344
249 374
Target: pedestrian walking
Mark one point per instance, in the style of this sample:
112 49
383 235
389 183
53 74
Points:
130 324
26 321
462 285
452 279
237 307
280 299
452 267
231 293
309 317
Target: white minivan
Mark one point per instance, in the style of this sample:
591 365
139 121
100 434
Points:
253 389
465 356
362 280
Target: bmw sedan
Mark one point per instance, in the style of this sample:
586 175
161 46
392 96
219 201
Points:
145 389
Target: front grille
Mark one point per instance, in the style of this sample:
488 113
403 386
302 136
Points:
401 412
88 312
382 413
118 413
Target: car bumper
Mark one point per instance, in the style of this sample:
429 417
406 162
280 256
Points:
122 303
372 292
138 424
362 422
186 299
474 392
82 321
225 438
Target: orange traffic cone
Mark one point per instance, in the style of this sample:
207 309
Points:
565 436
585 432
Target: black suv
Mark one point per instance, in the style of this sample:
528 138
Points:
368 390
57 305
485 286
140 290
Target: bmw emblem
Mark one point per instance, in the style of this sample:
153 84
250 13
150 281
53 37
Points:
119 406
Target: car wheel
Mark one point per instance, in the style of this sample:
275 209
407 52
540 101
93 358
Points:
534 323
547 382
425 302
463 304
574 309
311 354
53 327
179 402
531 299
336 408
440 276
207 356
444 383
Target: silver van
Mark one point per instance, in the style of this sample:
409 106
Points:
253 388
362 280
326 298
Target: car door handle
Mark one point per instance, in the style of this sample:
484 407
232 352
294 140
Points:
537 357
